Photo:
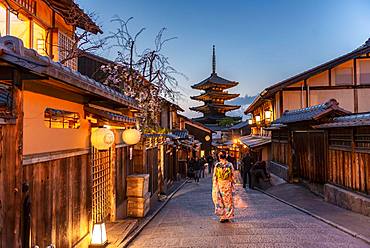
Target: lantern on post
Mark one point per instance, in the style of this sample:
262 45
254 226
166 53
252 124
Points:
131 136
99 236
102 138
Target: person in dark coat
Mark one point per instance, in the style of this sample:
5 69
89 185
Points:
191 164
247 163
202 164
197 168
210 164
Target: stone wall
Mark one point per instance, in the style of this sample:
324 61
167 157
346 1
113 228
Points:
347 199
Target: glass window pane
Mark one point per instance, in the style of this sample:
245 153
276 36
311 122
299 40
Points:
39 39
2 20
20 27
364 71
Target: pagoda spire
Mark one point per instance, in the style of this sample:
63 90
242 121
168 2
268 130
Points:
214 60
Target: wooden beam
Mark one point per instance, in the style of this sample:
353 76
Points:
355 93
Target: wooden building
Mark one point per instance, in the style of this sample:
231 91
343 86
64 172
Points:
327 148
214 97
345 78
298 150
54 184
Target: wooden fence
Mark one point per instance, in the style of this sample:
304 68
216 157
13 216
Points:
61 200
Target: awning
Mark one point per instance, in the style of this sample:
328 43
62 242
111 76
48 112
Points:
110 116
253 141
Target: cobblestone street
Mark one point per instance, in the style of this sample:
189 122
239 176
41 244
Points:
260 221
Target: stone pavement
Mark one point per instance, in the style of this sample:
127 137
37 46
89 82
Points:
302 197
261 221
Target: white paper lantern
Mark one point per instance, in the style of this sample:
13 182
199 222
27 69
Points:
102 138
131 136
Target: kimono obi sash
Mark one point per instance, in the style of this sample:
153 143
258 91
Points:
223 172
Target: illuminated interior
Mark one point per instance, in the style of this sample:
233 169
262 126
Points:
2 20
39 38
20 27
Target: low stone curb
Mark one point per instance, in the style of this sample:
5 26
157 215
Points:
137 231
342 228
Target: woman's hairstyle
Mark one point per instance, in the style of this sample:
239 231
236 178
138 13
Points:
222 154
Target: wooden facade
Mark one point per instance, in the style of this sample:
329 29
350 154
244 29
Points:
329 148
344 78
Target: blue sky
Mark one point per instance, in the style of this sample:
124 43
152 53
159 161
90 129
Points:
258 42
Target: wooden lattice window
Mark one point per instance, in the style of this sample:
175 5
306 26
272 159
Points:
101 184
362 138
56 118
65 47
340 137
6 99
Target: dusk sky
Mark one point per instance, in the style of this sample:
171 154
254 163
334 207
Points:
258 43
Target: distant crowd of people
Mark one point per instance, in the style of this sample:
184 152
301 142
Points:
250 168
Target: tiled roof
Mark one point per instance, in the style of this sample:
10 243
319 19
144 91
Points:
253 141
182 134
13 52
110 115
239 125
268 92
310 113
353 120
214 79
74 15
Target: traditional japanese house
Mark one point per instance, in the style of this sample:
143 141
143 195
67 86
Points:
325 147
214 97
54 183
201 133
298 150
345 78
157 154
348 161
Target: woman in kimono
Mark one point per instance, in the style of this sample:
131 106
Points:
222 190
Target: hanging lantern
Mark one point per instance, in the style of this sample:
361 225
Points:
99 235
268 114
250 121
102 138
131 136
207 138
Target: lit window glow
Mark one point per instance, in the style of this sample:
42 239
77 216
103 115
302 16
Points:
20 27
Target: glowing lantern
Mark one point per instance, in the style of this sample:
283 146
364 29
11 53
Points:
131 136
102 138
268 114
258 118
207 138
99 235
250 121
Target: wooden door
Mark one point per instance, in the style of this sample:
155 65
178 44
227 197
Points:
309 156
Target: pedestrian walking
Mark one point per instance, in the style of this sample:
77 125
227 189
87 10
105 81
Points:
202 164
222 188
196 170
246 169
191 173
210 164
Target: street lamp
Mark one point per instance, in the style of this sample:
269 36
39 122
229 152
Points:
99 236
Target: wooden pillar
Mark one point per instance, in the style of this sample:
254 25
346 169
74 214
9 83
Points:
11 151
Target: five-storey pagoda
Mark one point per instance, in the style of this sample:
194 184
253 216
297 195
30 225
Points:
214 97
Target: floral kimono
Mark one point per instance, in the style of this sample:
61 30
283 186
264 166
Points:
222 190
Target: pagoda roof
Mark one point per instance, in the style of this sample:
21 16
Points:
214 95
212 106
214 80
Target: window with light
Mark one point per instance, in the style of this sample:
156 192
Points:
39 39
2 20
56 118
20 27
